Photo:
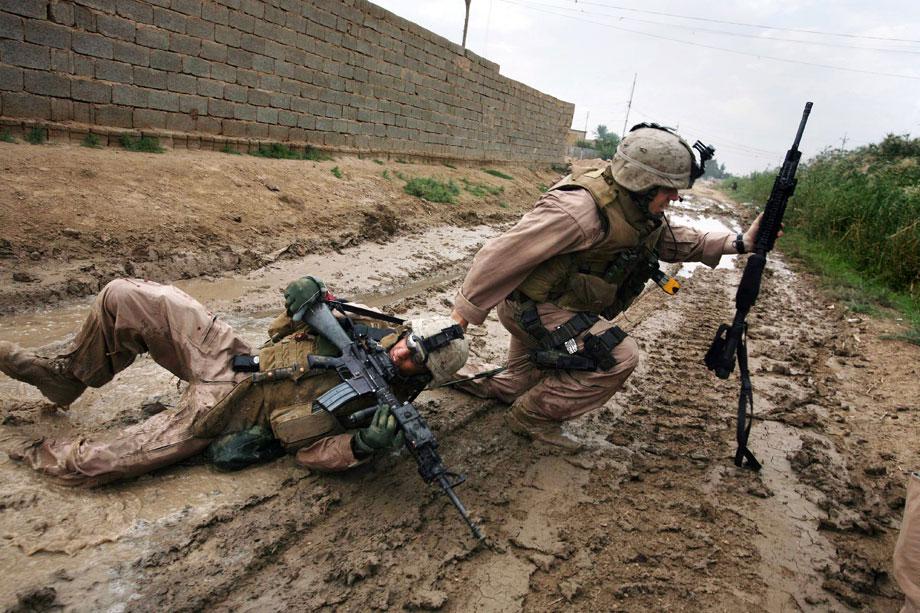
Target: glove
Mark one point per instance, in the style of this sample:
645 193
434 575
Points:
380 435
302 292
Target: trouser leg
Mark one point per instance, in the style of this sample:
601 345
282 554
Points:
907 549
560 395
130 317
519 375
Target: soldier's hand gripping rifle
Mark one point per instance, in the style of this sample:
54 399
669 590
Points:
366 370
730 341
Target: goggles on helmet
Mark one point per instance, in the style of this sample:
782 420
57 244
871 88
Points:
420 347
706 151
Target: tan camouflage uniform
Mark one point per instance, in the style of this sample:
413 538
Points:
907 549
130 317
561 222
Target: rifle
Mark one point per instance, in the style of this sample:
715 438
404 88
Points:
731 341
366 369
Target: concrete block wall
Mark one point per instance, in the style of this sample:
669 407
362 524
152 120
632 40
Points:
335 74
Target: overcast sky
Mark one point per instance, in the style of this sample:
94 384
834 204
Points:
714 80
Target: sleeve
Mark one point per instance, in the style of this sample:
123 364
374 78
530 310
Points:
329 454
562 221
685 244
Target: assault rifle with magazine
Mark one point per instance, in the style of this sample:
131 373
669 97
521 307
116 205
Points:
730 343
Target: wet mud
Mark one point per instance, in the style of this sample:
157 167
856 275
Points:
653 516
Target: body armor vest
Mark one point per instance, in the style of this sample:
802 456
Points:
607 277
286 404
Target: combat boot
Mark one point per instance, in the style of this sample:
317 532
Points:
51 376
524 423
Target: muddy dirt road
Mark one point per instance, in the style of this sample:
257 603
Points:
653 517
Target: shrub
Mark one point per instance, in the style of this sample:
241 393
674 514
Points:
228 149
498 173
315 155
145 144
7 137
92 141
37 135
481 189
277 151
432 189
338 173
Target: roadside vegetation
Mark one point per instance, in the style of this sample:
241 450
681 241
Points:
432 190
92 141
37 136
145 144
855 218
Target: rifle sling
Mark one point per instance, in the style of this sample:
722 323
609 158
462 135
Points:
743 455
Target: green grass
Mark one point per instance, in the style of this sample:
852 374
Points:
385 174
451 166
481 189
503 205
432 189
315 155
338 173
144 144
498 173
401 176
860 292
855 217
557 167
7 137
402 161
229 149
91 140
277 151
376 161
543 187
37 135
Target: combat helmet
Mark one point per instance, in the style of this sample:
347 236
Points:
439 344
652 156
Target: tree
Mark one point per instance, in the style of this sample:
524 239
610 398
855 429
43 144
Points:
606 142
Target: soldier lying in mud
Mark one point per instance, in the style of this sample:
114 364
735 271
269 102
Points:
222 410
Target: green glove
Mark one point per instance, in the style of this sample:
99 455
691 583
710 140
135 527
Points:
302 292
381 434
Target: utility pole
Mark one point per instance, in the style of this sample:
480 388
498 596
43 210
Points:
843 141
466 22
588 114
629 105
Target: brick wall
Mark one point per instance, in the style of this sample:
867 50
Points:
336 74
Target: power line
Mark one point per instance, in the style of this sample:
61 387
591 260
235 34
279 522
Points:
713 47
749 25
727 33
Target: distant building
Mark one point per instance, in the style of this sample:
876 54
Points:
572 150
574 136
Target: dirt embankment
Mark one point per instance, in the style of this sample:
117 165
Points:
74 218
654 516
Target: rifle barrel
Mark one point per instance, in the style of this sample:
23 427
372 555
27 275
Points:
798 135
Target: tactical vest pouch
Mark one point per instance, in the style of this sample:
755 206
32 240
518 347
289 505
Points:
587 292
599 347
241 449
561 361
297 425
